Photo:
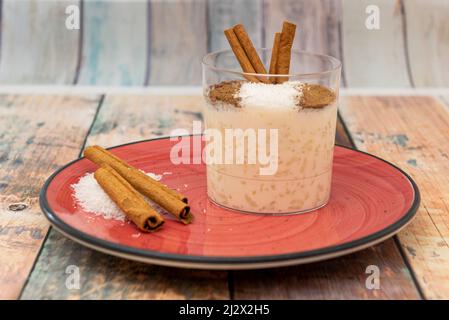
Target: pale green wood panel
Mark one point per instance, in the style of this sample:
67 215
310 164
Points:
114 50
428 41
374 57
317 23
36 46
178 41
225 14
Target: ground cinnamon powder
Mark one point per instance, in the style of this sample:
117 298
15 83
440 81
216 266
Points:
315 96
226 92
309 95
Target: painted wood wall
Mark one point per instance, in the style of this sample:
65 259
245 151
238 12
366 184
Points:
155 42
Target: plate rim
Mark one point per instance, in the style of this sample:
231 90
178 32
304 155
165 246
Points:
174 259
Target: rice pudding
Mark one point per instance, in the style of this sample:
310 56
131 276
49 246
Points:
305 118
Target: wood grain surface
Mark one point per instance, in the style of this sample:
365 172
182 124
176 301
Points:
428 41
162 42
225 14
374 57
36 46
107 277
114 47
317 24
125 118
178 32
342 278
412 132
38 134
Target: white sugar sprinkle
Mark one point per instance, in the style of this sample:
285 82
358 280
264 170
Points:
92 198
263 95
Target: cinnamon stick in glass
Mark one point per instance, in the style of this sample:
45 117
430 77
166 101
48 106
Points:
274 56
250 51
285 48
240 54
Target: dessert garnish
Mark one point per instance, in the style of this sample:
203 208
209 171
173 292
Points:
128 199
242 56
315 96
92 198
250 61
303 95
274 56
137 182
226 92
307 95
282 54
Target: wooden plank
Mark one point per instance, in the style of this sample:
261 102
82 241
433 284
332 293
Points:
38 133
105 277
36 45
115 40
116 124
225 14
428 41
178 42
127 118
317 24
123 119
342 278
374 57
412 132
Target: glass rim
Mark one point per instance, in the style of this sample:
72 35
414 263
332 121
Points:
336 64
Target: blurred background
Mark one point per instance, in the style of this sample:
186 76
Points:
382 43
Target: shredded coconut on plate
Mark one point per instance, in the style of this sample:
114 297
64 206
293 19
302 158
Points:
92 198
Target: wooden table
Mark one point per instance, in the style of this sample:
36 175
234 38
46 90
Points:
41 132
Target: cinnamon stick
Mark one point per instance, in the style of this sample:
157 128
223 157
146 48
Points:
285 48
250 51
240 54
128 199
169 199
100 155
274 56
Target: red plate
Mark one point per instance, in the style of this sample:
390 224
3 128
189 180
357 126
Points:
371 200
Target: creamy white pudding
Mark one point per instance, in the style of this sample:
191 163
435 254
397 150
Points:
305 117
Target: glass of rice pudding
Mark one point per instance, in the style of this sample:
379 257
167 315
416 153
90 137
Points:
270 142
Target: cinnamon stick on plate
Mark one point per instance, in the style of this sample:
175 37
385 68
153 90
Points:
100 155
128 199
285 48
170 200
